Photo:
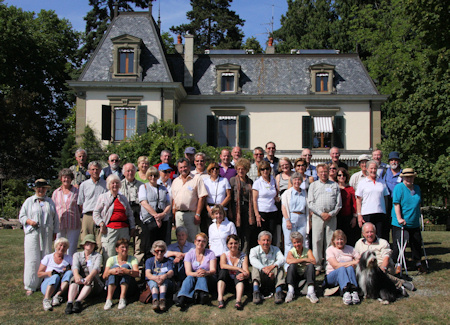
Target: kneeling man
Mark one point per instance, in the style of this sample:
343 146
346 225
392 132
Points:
268 271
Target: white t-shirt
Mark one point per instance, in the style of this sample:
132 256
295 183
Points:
49 262
372 195
217 190
266 194
218 236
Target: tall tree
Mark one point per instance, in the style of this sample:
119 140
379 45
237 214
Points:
252 43
308 24
213 25
37 55
99 18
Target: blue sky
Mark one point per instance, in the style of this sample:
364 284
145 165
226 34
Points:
257 13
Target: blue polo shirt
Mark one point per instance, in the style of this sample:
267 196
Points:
392 180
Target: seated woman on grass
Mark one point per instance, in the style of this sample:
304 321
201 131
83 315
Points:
120 270
55 270
159 271
86 267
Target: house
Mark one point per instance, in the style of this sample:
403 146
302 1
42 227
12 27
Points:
308 99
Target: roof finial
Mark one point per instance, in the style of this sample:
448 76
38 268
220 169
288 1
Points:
116 9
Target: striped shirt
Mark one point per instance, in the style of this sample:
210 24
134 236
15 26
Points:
324 197
68 211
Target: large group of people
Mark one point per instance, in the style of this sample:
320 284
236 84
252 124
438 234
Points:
260 226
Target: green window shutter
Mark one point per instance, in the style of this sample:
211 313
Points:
244 132
106 122
307 132
338 131
141 122
211 130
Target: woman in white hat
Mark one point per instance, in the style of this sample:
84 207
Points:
406 214
40 225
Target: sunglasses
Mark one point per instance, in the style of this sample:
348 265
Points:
301 165
258 154
263 169
158 251
333 168
341 175
114 160
166 171
152 175
199 161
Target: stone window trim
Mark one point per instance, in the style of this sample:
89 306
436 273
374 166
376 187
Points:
320 69
130 43
124 101
228 70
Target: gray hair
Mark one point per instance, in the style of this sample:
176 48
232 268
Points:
158 244
61 240
80 150
182 160
123 168
296 175
370 162
181 229
109 158
296 235
111 178
200 154
165 151
66 172
95 163
368 224
264 233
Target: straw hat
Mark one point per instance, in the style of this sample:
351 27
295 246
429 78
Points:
41 183
408 172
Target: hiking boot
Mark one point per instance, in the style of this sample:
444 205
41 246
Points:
69 307
204 298
409 285
77 308
182 301
155 304
279 297
257 298
162 304
347 298
47 304
355 298
313 298
289 297
57 300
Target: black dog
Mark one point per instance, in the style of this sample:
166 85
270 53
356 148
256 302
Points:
374 283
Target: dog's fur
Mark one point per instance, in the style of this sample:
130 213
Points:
374 283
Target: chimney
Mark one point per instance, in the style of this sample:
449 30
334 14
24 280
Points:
116 9
179 46
188 60
270 48
150 8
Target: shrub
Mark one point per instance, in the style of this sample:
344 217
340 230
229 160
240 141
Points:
435 215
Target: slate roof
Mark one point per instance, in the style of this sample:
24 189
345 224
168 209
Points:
138 24
278 74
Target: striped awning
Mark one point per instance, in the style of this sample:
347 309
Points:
323 124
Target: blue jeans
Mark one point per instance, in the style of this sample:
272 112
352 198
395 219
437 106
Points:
152 284
342 276
298 222
192 284
119 279
56 281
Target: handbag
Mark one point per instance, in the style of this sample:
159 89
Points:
151 224
146 296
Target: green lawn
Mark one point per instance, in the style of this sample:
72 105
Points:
427 305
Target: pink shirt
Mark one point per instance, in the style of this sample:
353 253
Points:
347 254
68 211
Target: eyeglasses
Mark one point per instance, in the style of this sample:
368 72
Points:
340 175
333 168
159 251
199 161
166 171
114 160
258 154
301 165
305 155
153 175
263 169
270 148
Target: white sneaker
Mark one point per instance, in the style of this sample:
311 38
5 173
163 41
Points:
122 304
313 298
347 299
57 300
108 305
47 304
289 297
355 298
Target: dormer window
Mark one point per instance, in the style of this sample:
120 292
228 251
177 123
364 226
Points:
126 53
228 78
126 61
322 78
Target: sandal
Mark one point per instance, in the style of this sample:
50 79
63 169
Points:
221 304
238 305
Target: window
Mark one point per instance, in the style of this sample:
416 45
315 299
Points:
124 122
126 60
322 78
126 53
323 132
228 81
321 82
226 131
228 78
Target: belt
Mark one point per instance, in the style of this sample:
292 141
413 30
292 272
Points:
297 212
185 211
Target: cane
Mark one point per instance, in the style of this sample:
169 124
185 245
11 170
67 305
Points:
401 255
423 244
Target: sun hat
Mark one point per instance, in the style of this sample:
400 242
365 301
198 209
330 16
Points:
363 157
41 183
394 155
408 172
164 167
88 238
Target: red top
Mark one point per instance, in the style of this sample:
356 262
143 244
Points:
119 217
348 201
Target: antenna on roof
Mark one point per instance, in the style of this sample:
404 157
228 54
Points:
270 23
159 15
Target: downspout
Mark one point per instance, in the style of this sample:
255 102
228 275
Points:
371 127
162 104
